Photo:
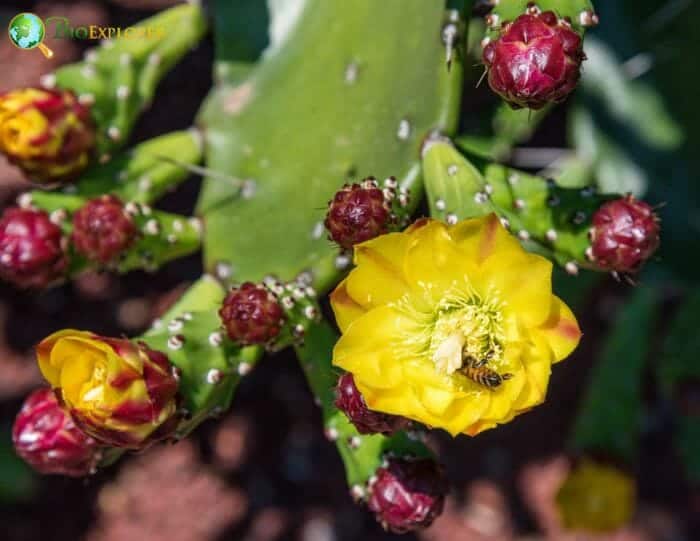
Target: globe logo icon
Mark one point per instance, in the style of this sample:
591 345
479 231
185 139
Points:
27 31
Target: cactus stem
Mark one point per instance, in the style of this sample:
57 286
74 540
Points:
244 369
318 230
551 235
440 204
216 339
404 130
145 183
451 218
58 216
88 71
86 99
176 342
24 200
354 442
352 70
505 223
223 270
125 59
114 133
154 59
588 18
523 235
123 92
152 227
105 158
215 376
357 492
331 433
176 325
519 204
342 261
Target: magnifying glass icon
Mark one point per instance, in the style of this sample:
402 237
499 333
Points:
27 31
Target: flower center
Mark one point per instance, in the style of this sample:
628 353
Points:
466 327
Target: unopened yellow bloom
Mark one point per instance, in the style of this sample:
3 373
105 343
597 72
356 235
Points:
47 133
121 393
596 497
423 306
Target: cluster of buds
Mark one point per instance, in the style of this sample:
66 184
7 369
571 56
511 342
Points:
624 234
49 134
32 248
121 393
536 60
103 230
46 437
361 212
350 401
407 494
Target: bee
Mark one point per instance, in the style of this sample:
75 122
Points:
477 371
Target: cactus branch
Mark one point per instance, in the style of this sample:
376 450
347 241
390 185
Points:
361 454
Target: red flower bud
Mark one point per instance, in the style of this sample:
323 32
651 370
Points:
536 60
102 230
46 437
251 315
625 233
407 494
30 248
47 133
350 401
357 213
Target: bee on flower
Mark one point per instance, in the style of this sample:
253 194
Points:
454 326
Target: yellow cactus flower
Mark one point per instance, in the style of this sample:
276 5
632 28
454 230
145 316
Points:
122 394
47 133
596 497
452 326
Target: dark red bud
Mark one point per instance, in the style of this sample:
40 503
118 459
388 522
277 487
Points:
31 254
46 437
357 213
102 230
624 234
407 494
350 401
251 315
536 60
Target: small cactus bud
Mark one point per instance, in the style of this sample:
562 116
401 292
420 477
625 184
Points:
350 401
624 234
46 437
102 230
536 60
31 254
121 393
49 134
251 315
407 494
357 213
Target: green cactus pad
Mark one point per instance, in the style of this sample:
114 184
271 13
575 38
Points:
120 77
361 454
210 365
298 129
547 217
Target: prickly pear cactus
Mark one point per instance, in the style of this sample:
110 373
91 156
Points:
272 130
119 78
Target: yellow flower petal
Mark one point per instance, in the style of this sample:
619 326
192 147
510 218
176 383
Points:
561 329
345 308
480 238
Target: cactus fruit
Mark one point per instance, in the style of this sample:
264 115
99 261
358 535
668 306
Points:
49 134
31 248
251 315
535 61
102 230
46 437
357 213
624 234
350 401
407 495
558 221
